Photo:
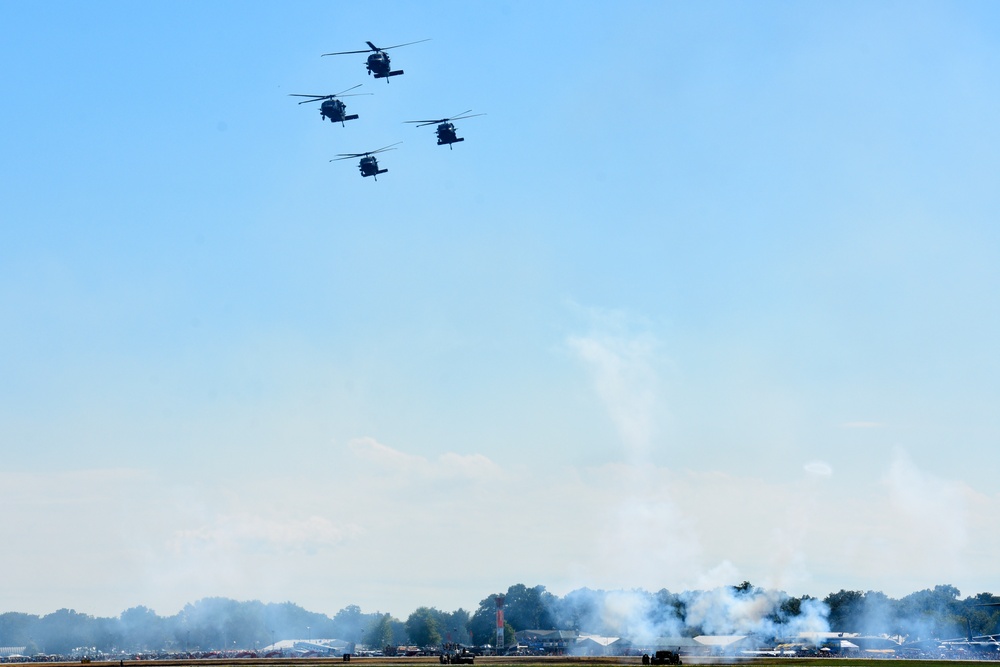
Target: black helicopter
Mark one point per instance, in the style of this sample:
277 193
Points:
331 107
378 62
368 165
446 133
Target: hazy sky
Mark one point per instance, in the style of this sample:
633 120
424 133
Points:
711 294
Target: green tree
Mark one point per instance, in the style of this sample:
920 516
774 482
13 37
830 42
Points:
984 613
931 613
349 623
142 629
63 630
529 608
16 628
483 624
791 607
846 610
455 626
878 615
422 627
667 609
378 634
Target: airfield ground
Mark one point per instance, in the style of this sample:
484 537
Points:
556 661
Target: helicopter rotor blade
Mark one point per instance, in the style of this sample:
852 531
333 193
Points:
423 123
470 115
343 53
397 45
439 120
348 156
351 88
315 98
390 147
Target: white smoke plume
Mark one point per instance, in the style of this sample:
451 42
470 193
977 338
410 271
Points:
624 377
650 619
623 369
730 610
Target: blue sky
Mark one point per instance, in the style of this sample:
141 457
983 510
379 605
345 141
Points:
715 279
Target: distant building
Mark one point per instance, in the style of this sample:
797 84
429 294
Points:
552 642
596 645
309 647
681 645
723 644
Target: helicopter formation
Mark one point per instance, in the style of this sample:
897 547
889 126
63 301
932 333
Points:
332 108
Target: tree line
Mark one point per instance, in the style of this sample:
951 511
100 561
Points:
220 624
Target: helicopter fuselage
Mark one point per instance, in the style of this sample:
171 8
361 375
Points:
334 110
369 167
446 134
379 67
